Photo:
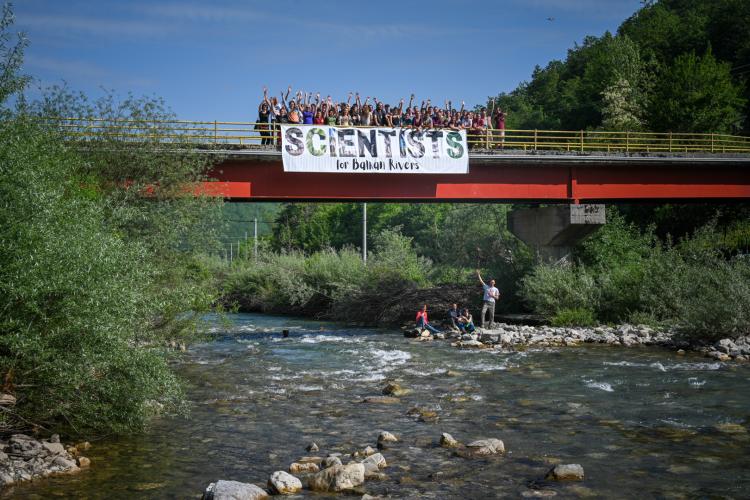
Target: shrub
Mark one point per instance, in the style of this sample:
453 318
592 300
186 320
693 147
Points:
573 317
551 289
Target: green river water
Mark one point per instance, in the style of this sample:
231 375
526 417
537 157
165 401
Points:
642 422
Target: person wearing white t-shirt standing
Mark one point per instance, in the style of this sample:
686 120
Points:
491 295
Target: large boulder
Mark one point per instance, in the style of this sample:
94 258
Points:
566 472
283 483
234 490
338 478
486 447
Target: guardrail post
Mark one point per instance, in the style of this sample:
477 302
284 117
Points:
627 141
581 140
670 142
712 142
216 133
535 139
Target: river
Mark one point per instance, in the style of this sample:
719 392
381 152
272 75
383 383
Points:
642 422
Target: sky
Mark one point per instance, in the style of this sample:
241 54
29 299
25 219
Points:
210 60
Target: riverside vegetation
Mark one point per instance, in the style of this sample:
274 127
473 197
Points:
95 277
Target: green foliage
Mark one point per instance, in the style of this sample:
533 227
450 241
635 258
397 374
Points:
328 281
573 317
644 77
11 56
95 276
696 94
627 275
551 289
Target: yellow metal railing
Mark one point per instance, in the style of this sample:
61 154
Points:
251 134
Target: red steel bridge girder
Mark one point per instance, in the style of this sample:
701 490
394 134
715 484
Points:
545 180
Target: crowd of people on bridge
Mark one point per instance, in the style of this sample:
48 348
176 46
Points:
304 110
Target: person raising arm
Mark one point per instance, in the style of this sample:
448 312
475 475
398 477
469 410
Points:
491 295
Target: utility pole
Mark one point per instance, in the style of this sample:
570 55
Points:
231 250
255 238
364 232
247 248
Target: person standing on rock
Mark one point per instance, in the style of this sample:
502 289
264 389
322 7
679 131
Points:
491 295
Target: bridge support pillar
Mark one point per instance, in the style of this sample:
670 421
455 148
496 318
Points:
553 230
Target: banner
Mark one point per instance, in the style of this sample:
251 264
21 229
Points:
377 150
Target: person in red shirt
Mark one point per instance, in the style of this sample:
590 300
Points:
423 322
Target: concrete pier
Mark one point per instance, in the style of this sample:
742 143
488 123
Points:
553 230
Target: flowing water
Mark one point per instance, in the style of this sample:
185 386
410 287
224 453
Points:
642 422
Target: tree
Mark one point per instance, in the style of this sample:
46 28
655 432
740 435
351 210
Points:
11 56
696 94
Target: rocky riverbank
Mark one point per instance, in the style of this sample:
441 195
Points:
24 458
506 336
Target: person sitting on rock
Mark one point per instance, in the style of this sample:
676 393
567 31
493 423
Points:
453 315
466 322
423 322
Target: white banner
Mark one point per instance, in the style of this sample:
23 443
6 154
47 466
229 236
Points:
381 150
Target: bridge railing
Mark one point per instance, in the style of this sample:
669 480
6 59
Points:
221 134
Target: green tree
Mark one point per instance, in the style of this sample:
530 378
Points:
696 94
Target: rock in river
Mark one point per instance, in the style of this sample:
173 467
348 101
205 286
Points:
395 389
566 472
283 483
312 447
233 490
486 447
303 468
385 438
448 441
377 459
330 462
383 400
338 478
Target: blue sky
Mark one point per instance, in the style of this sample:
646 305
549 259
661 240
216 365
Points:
210 59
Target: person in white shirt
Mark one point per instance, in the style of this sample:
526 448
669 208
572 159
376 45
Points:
491 295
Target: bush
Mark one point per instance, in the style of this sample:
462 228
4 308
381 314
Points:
573 317
551 289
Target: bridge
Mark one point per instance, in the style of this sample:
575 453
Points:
547 166
576 171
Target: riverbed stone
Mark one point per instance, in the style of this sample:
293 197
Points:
377 459
566 472
395 389
338 478
309 460
312 447
283 483
383 400
386 437
486 447
53 448
234 490
84 462
303 468
720 356
448 441
330 462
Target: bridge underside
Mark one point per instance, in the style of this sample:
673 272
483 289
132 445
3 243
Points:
505 178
